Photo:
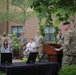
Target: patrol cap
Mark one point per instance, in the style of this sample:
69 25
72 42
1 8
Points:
66 23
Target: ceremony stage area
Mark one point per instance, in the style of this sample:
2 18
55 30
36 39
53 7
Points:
38 68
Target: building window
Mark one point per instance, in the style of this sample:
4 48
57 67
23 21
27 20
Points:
49 33
17 30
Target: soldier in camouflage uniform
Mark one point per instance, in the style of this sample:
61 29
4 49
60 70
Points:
39 39
0 42
11 43
60 37
22 43
3 38
69 46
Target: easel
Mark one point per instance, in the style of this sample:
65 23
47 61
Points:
42 56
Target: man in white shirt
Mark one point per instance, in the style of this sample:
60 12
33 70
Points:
30 47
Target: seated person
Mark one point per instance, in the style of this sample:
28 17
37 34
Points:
30 47
5 48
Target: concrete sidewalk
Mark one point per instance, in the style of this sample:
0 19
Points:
16 60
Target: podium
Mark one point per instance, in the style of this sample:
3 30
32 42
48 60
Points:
53 52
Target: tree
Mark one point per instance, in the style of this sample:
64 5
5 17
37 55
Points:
21 4
18 14
61 9
40 9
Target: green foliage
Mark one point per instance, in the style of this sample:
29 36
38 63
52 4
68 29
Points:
42 30
25 59
19 16
56 24
68 70
1 73
54 42
5 16
0 36
16 43
23 15
62 9
41 8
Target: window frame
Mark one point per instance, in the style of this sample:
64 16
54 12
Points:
49 38
17 33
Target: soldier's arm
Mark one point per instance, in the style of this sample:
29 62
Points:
62 37
67 40
24 41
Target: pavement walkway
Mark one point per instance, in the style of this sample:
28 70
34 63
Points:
16 60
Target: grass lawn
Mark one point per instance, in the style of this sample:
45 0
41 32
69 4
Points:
25 59
22 60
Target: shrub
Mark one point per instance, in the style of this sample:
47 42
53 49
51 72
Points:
0 36
68 70
16 43
1 73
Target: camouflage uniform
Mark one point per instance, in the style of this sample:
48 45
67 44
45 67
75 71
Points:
3 39
69 48
22 43
11 43
0 42
60 39
39 45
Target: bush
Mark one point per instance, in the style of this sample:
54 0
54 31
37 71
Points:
16 43
0 36
1 73
68 70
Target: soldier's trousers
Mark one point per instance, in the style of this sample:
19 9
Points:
68 60
40 52
21 50
11 50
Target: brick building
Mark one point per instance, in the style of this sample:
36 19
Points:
30 28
